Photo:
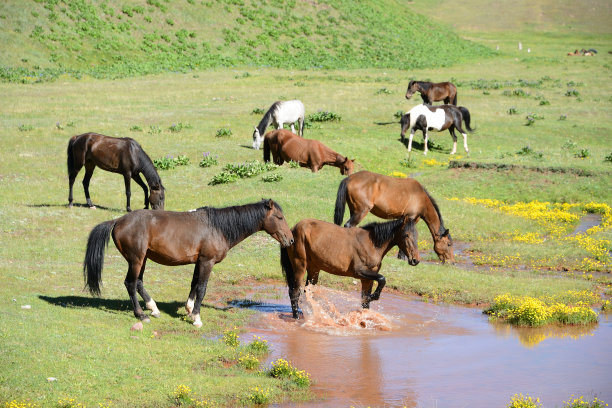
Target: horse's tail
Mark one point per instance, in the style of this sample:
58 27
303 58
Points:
266 150
70 154
94 256
455 98
340 202
287 268
466 117
302 126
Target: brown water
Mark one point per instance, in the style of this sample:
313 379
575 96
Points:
405 352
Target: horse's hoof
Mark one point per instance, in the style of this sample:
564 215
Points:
197 324
156 315
146 320
92 207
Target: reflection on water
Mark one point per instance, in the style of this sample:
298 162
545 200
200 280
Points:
405 352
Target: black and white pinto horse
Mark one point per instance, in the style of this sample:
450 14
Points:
280 112
437 118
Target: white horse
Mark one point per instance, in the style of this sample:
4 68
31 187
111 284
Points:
438 118
280 112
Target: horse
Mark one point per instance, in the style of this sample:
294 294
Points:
432 92
287 146
118 155
356 252
437 118
280 112
202 237
390 197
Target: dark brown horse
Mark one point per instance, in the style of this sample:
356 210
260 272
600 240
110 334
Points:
201 237
117 155
287 146
390 197
356 252
436 118
432 92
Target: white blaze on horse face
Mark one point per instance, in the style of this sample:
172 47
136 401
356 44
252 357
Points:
153 308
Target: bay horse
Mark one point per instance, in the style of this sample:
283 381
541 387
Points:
356 252
287 146
390 197
202 237
432 92
280 112
118 155
437 118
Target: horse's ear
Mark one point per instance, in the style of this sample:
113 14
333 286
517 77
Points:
445 233
270 204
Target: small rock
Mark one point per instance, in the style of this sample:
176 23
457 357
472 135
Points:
26 307
51 379
137 326
354 282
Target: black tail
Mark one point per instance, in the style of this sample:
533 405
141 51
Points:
302 127
340 202
287 268
94 256
455 99
266 152
466 117
70 160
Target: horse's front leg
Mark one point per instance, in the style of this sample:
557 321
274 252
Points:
142 184
381 281
410 140
128 192
202 269
366 289
465 146
425 137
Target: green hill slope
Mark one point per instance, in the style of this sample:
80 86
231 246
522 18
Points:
113 38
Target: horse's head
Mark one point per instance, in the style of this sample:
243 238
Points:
157 198
412 88
443 246
275 224
346 167
256 139
407 241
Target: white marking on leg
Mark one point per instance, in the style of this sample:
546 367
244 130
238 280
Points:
196 321
153 308
189 306
410 141
426 138
454 147
292 128
465 142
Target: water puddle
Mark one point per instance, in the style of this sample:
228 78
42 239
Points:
404 352
587 221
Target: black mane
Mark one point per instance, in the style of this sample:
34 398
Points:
146 167
238 221
442 229
267 118
382 232
424 85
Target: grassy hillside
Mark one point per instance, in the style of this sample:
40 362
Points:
44 38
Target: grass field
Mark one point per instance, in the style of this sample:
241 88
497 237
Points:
564 156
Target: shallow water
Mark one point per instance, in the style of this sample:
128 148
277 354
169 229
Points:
404 352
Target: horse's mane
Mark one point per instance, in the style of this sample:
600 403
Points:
267 118
381 232
442 229
146 166
237 221
425 85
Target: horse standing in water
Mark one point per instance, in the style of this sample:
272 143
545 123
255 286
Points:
390 197
280 112
432 92
117 155
203 237
356 252
287 146
437 118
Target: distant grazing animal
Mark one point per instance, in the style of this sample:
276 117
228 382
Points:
355 252
287 146
201 237
436 118
280 112
118 155
432 92
390 197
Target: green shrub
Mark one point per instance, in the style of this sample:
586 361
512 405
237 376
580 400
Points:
135 128
25 128
230 337
223 132
513 110
324 116
170 162
208 160
524 401
282 368
178 127
271 178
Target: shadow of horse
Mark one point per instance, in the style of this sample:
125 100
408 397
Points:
101 207
421 145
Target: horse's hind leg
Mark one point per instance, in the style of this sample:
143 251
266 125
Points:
379 287
89 169
71 179
464 134
454 136
131 284
138 180
293 128
202 271
149 302
366 289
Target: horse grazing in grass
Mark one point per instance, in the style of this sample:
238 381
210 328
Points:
203 237
117 155
356 252
437 118
280 112
432 92
390 197
287 146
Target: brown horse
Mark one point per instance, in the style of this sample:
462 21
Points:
356 252
389 197
432 92
287 146
203 237
117 155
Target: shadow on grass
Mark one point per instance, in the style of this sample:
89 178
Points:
109 305
101 207
416 145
